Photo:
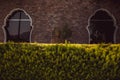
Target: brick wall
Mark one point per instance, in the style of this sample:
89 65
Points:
49 14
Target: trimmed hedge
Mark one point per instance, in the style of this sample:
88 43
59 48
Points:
59 61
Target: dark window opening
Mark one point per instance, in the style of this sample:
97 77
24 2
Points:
18 27
101 27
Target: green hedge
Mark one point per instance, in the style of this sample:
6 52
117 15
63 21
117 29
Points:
59 62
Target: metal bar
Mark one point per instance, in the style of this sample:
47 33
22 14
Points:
19 26
19 19
101 20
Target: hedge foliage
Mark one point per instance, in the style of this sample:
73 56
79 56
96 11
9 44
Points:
59 61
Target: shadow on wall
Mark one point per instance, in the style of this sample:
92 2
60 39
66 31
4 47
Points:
60 35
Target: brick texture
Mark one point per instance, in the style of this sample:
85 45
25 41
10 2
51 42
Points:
49 14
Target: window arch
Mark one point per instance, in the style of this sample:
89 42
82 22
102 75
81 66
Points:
18 26
101 28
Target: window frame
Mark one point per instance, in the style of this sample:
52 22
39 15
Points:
7 19
114 24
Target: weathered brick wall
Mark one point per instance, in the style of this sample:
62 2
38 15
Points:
48 14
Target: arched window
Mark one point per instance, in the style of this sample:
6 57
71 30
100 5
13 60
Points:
18 26
102 27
